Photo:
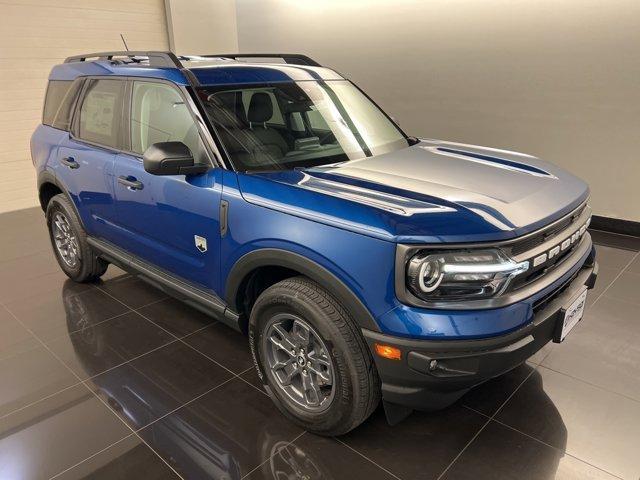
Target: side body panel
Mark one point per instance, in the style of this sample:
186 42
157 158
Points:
159 223
362 263
90 184
44 148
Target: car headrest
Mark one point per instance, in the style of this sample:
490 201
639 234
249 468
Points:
221 113
260 108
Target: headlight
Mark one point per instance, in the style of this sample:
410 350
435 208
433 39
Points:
455 275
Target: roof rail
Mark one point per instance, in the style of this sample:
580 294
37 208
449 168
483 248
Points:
170 59
156 59
293 58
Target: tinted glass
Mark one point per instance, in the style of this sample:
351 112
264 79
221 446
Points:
159 114
56 92
100 113
298 124
62 119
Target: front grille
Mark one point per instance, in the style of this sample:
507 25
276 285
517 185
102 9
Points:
541 303
541 243
540 237
535 273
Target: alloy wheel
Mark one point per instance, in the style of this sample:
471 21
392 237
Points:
65 240
299 362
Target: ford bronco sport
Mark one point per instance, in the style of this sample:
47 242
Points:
362 263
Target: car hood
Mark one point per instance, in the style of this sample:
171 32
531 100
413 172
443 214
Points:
433 191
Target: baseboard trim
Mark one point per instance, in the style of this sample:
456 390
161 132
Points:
615 225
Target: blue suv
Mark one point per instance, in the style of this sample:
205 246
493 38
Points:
270 192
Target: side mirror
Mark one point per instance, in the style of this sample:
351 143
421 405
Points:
171 158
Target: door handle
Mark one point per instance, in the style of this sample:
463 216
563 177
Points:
70 162
131 183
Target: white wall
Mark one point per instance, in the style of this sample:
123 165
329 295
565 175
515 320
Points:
556 78
202 26
34 36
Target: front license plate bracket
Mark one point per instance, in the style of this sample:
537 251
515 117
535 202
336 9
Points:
570 315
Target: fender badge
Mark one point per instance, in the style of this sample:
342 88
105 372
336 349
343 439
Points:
201 243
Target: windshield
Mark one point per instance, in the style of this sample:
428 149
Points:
299 124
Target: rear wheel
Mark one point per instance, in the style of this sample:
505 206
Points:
69 241
312 358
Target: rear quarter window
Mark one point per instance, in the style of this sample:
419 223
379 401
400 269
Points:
56 91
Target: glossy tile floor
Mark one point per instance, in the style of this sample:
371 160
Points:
114 380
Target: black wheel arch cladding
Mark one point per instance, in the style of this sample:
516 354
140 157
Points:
275 257
47 178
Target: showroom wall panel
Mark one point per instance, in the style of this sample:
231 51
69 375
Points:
202 26
34 36
557 79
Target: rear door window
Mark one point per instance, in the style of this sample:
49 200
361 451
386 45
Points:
100 116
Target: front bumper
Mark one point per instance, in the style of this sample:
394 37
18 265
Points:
433 374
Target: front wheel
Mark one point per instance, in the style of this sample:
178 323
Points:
312 358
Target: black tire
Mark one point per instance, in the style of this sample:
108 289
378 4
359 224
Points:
355 378
88 266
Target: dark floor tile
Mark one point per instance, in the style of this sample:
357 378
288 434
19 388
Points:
421 446
151 386
23 233
224 434
27 267
23 216
224 345
14 338
615 240
314 457
634 267
176 317
57 313
626 287
15 247
26 289
20 222
30 276
251 376
540 355
604 349
94 349
30 376
55 434
489 396
128 459
599 427
606 276
132 291
502 453
614 258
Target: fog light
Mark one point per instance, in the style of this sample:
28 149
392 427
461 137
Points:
387 351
